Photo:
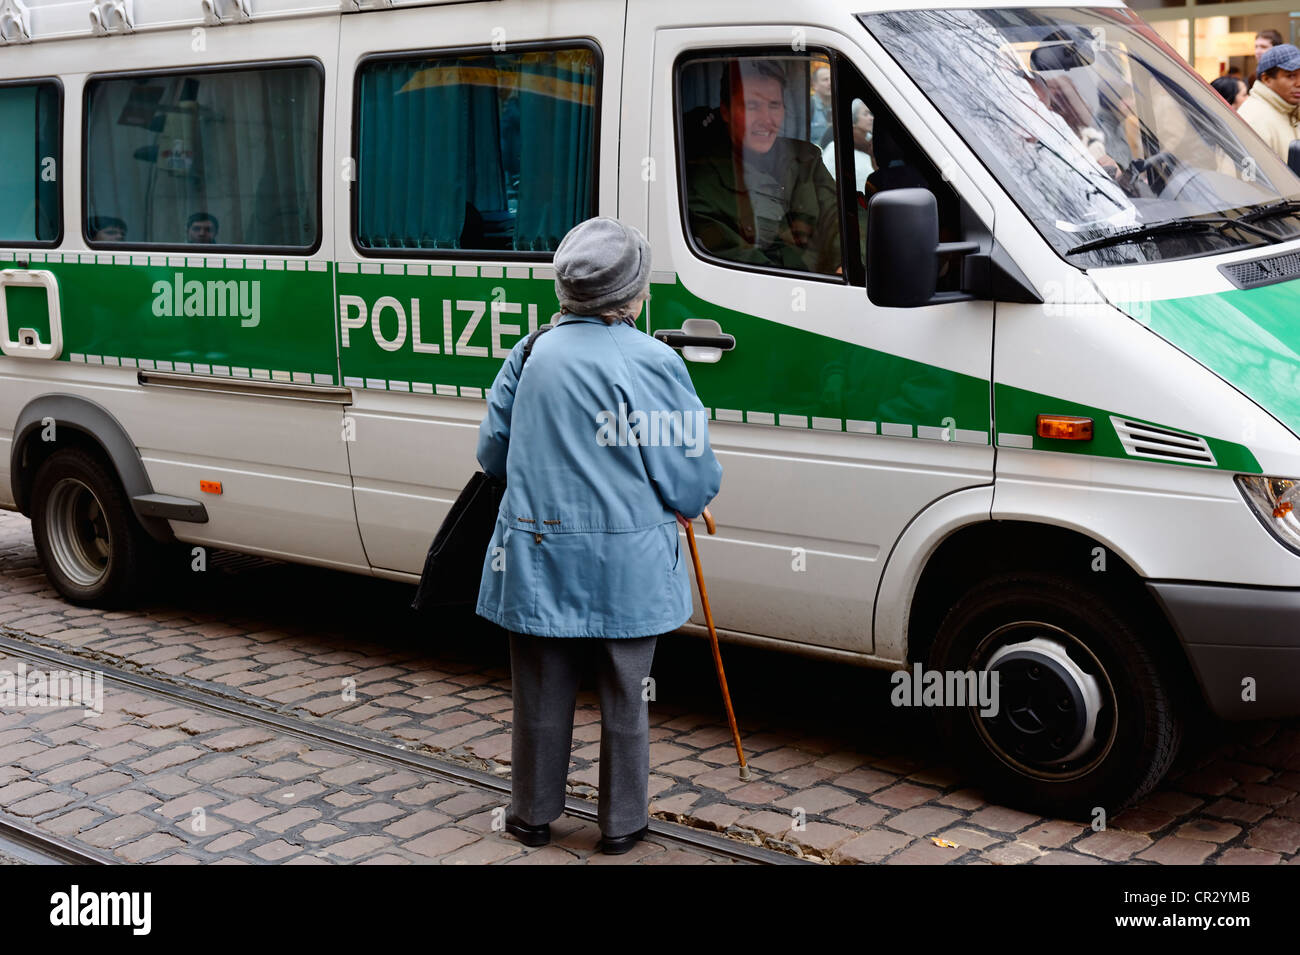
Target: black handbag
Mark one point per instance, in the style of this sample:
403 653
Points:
454 564
453 568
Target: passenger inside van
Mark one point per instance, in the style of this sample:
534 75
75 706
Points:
201 227
106 229
755 195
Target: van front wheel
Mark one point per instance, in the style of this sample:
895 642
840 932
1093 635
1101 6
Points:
90 545
1083 718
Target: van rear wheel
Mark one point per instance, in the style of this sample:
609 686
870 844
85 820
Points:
89 542
1084 717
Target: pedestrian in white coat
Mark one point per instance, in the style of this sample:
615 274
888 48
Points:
1273 107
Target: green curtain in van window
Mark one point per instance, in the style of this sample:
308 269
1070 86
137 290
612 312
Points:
557 96
430 153
28 136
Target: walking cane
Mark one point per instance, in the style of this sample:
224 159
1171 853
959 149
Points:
713 634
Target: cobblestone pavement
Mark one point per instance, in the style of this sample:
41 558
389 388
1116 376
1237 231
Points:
152 780
870 780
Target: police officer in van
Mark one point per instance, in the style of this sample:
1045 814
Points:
754 195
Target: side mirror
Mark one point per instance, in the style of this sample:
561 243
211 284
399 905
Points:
1293 156
902 239
903 252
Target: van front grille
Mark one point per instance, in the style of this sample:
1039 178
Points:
1161 444
1266 271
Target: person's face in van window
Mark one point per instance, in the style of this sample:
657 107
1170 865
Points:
203 230
863 123
822 84
756 113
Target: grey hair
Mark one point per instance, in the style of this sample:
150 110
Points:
624 312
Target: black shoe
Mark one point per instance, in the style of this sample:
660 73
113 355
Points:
617 845
528 835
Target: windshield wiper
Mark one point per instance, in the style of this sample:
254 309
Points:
1166 226
1283 207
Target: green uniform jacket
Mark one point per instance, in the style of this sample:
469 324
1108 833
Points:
786 219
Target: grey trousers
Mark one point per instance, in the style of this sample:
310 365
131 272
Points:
544 674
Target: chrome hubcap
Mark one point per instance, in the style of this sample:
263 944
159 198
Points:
78 532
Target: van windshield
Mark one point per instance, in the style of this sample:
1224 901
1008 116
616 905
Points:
1116 151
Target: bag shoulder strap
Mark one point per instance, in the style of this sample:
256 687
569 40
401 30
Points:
528 345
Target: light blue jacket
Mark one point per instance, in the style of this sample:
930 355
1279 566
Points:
599 443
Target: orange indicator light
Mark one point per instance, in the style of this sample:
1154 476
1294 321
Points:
211 487
1064 427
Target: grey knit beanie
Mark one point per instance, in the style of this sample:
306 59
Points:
600 265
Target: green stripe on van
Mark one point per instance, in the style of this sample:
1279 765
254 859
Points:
1017 412
788 371
1248 337
271 318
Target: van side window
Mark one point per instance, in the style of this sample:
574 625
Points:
492 151
227 157
886 157
754 136
29 157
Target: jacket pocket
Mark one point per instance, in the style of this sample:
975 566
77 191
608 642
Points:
674 545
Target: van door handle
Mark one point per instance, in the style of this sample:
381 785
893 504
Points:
680 339
700 339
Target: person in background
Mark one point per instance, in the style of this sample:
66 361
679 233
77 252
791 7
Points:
1231 89
863 164
106 229
201 227
1264 40
1273 107
820 121
585 565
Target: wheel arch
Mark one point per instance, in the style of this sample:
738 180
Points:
78 422
982 549
954 542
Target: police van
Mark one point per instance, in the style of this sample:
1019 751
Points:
993 310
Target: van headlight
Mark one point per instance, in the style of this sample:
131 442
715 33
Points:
1276 502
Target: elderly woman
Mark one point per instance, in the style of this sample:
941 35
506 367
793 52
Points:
585 561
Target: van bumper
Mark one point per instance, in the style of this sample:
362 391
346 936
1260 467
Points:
1234 633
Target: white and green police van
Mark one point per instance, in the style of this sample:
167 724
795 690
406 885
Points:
1010 382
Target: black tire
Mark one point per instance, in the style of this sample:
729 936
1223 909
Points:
1061 652
89 542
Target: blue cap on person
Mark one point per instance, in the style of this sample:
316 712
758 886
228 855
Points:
601 264
1285 56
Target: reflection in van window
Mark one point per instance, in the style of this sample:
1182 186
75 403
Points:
864 161
755 135
29 117
1092 126
225 157
484 152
